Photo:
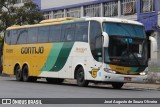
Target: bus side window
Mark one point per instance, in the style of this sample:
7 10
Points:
43 34
8 37
14 36
32 35
81 33
69 32
55 33
22 36
95 32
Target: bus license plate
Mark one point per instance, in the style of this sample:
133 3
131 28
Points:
127 78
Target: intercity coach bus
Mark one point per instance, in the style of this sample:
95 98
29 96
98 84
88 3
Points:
89 49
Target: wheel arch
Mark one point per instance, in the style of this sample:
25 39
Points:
25 64
17 64
76 68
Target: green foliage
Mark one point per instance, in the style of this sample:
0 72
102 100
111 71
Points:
10 15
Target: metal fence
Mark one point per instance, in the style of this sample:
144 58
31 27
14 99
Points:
92 10
110 9
58 14
147 5
128 7
74 12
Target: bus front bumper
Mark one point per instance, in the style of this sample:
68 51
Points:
125 78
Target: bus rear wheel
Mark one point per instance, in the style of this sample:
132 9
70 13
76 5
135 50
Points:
54 80
18 73
26 77
117 85
81 78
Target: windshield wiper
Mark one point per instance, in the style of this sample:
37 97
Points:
132 54
129 46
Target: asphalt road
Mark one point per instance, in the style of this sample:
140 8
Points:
10 88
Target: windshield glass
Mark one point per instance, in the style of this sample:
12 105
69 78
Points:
127 47
122 29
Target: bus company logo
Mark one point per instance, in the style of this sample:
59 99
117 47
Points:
81 50
6 101
32 50
94 72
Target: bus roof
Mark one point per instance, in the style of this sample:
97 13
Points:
110 19
71 19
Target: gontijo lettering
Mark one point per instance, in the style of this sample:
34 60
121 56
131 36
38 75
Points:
32 50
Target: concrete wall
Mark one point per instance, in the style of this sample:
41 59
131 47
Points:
59 3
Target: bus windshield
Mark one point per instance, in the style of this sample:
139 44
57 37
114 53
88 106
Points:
123 29
127 44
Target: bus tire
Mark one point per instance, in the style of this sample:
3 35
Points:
54 80
81 78
117 85
26 77
18 73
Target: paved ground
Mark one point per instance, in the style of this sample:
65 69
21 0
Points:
9 88
145 86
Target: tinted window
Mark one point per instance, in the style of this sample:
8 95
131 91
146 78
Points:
7 37
81 32
123 29
22 36
55 33
95 33
14 36
43 34
32 35
69 32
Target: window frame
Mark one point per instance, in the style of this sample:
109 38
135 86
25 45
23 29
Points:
93 48
151 10
39 33
51 33
87 31
63 37
28 42
19 36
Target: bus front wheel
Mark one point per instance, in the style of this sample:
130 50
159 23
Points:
117 85
18 73
26 77
81 78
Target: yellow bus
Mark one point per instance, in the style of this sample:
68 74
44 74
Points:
95 49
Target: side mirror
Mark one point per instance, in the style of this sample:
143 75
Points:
154 43
106 39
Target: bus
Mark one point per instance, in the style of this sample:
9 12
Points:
88 49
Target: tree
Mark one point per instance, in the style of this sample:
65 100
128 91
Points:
10 15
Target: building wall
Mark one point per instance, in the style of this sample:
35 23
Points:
61 3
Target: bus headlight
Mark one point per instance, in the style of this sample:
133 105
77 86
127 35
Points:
143 73
109 71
